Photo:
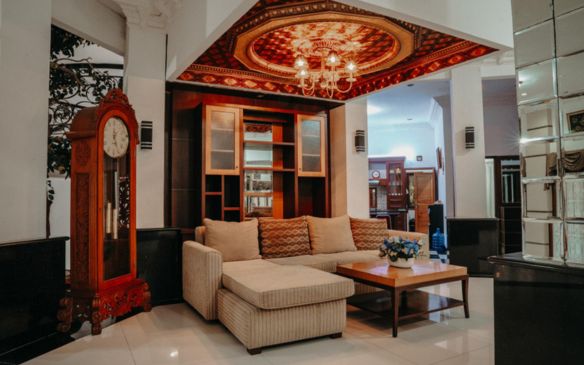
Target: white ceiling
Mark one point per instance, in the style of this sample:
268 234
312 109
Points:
405 104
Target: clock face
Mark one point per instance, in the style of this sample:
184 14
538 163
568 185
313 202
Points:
375 174
115 138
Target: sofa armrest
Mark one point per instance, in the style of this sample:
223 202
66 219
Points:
202 271
413 236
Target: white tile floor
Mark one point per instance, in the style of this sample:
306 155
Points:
175 334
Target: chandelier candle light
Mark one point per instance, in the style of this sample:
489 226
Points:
331 69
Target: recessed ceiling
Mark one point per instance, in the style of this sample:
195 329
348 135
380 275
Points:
257 52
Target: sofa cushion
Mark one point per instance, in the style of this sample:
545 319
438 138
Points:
341 258
329 235
235 240
322 262
284 237
368 234
271 286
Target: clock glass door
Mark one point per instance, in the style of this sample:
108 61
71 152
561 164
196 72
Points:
116 201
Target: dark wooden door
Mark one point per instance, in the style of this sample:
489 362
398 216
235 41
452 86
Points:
425 195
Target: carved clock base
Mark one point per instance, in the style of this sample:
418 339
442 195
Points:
113 302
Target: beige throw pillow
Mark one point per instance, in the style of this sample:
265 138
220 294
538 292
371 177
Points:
237 241
329 235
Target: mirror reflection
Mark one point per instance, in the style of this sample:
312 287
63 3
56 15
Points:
542 200
539 120
543 239
536 82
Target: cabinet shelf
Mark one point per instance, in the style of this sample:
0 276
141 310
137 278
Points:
231 209
270 143
222 130
223 151
214 193
273 169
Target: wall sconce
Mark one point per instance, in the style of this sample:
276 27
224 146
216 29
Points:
360 140
146 135
469 137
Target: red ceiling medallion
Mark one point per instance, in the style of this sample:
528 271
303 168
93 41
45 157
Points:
258 52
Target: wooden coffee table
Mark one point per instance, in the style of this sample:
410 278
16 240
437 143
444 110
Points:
401 283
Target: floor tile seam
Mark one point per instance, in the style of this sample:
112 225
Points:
128 344
401 357
464 353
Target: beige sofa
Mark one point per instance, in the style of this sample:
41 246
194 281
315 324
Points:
266 302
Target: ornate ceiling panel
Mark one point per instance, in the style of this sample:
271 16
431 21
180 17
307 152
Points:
258 51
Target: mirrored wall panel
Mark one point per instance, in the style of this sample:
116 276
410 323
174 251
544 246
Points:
564 6
536 82
572 111
530 12
551 108
542 200
535 44
569 28
575 238
540 159
539 120
570 75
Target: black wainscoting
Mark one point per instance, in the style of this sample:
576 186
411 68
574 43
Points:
471 241
159 262
32 281
539 312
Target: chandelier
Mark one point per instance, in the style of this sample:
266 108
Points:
334 61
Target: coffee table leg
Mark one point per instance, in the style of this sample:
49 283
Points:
465 297
395 297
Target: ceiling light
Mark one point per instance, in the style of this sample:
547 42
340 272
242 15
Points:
337 65
523 94
300 63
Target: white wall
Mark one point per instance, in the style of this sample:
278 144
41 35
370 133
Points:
349 169
198 24
409 140
25 32
466 99
501 128
145 86
437 118
91 20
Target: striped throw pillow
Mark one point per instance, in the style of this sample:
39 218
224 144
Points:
368 234
284 237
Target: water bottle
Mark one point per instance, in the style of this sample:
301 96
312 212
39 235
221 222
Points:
438 242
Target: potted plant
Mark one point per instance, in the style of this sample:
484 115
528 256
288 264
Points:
400 252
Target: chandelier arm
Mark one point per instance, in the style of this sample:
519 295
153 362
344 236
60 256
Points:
347 89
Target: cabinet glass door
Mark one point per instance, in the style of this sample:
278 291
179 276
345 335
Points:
222 140
311 145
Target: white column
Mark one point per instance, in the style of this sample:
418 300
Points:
466 98
447 151
144 83
25 37
349 168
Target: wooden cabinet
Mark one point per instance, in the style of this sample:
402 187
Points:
396 191
311 139
222 133
103 215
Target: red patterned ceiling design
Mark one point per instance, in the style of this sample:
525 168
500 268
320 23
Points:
257 52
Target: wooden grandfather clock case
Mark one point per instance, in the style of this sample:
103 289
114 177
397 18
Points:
103 216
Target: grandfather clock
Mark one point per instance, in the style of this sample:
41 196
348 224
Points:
103 216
